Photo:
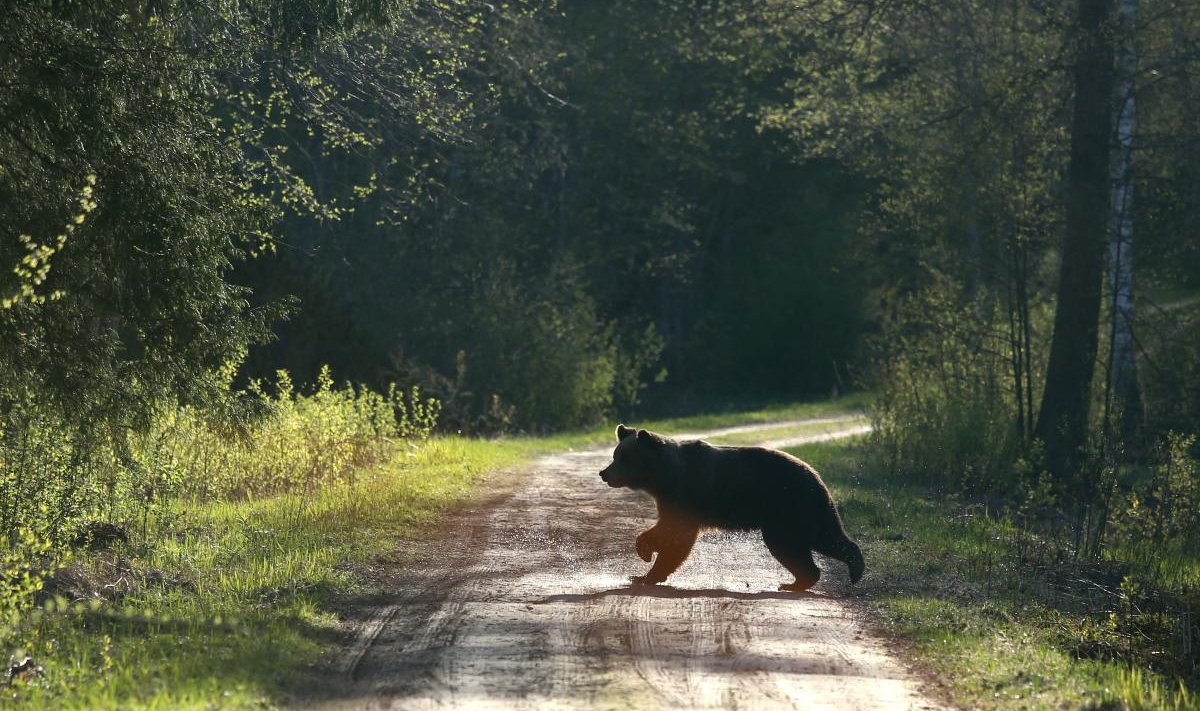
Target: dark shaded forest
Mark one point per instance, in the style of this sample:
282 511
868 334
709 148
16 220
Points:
615 218
544 214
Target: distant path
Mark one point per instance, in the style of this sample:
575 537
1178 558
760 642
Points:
834 420
524 603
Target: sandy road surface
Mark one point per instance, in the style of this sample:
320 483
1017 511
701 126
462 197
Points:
525 603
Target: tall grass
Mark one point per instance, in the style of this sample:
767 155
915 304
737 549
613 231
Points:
60 491
198 559
1114 548
280 439
946 404
229 603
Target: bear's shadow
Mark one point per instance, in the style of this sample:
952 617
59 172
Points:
668 591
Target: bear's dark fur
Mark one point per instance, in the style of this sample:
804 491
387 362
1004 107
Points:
697 485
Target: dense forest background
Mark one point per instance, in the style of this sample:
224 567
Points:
546 213
616 216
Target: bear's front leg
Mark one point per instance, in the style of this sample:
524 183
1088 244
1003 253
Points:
647 543
674 545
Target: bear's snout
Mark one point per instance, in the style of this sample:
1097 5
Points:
607 475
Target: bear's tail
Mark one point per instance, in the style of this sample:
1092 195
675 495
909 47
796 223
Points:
848 552
854 560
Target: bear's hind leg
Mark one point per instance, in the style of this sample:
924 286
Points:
794 554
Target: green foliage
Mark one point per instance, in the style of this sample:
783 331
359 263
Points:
23 570
294 442
198 128
1001 610
143 308
1170 371
51 483
34 267
617 181
958 114
1163 508
194 129
275 440
1177 489
230 603
554 361
953 110
945 411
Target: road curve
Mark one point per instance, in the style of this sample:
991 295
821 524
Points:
524 603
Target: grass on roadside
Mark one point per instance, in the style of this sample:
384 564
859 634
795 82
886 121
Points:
819 426
228 606
953 585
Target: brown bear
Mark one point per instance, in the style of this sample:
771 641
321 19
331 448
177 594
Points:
697 485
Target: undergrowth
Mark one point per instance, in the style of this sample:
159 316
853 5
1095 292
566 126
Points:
1000 608
228 603
116 540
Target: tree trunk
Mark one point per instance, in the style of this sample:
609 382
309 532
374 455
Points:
1123 388
1063 420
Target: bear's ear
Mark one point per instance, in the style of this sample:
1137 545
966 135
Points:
623 432
648 437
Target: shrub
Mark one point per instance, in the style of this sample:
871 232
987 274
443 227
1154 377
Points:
280 440
543 359
946 410
1165 507
55 484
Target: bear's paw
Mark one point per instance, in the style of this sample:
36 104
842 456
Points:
644 580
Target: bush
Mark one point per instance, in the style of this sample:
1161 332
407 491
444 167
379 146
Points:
541 359
56 485
946 411
1169 368
1164 508
280 440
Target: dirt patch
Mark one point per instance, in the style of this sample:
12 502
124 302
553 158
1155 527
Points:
524 603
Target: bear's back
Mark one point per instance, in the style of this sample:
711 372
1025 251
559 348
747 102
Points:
748 487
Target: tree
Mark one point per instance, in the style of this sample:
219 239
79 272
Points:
203 126
1122 383
1063 419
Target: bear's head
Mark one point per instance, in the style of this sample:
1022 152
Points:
640 459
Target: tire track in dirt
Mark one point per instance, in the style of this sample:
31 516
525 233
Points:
525 603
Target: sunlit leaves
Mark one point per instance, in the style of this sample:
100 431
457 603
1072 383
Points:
34 267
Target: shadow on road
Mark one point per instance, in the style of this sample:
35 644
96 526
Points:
667 591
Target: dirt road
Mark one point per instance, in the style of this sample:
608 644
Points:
525 603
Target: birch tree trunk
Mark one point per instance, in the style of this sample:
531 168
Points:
1123 388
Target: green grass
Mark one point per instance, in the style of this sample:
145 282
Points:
853 403
976 603
228 604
